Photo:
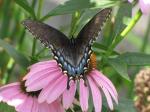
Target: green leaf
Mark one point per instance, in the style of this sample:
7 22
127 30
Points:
140 59
98 47
105 109
25 5
125 11
16 55
136 41
5 108
89 13
71 6
5 18
125 105
120 66
85 18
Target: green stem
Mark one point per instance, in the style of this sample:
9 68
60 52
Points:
10 67
21 40
75 17
6 15
38 15
33 47
41 51
33 3
122 35
145 42
39 8
45 17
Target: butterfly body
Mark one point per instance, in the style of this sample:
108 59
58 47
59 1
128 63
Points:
70 61
72 55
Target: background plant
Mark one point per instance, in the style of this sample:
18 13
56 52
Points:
18 50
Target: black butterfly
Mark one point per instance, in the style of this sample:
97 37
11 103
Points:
72 55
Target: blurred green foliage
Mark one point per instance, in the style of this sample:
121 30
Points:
18 51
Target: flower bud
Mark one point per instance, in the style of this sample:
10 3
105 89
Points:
142 91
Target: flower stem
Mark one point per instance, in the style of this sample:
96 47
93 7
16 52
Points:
145 41
39 8
41 51
38 16
122 35
33 47
33 3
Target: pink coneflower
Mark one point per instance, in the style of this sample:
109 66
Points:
145 6
48 76
14 94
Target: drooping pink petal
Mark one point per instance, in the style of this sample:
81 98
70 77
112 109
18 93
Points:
41 66
57 106
103 81
41 74
24 102
16 100
106 92
6 90
20 107
43 107
84 96
43 81
10 85
68 95
108 97
26 106
53 90
35 107
97 98
5 95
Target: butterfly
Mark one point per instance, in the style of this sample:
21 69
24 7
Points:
73 54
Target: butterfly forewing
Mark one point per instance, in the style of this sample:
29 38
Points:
48 35
90 32
93 28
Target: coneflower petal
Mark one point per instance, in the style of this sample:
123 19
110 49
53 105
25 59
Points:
35 107
40 66
68 95
41 74
57 106
97 98
42 82
53 90
84 96
103 81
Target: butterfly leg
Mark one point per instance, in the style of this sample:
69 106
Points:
85 79
68 83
